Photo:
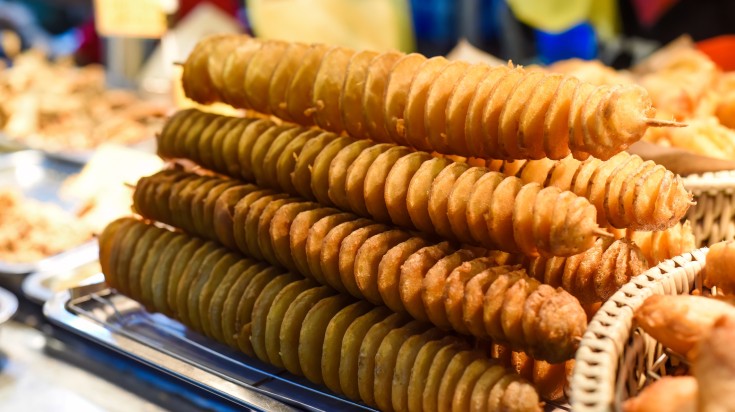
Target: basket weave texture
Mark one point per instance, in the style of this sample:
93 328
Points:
614 357
713 217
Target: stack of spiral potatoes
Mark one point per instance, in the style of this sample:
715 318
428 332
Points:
413 233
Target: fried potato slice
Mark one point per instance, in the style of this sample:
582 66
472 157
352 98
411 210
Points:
417 197
389 271
259 73
413 273
292 323
397 88
355 181
368 259
299 96
313 332
328 86
338 169
397 183
333 336
352 92
375 180
330 247
414 121
437 100
261 309
298 235
280 80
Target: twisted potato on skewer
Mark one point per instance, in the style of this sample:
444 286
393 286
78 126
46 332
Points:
314 332
501 112
626 191
658 246
407 188
448 287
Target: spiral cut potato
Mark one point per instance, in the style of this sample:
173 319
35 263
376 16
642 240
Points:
388 183
362 352
372 261
431 104
592 276
626 191
662 245
549 379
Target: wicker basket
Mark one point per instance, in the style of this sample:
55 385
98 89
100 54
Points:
615 360
713 217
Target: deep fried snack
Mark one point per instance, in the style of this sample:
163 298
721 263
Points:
350 351
312 335
373 95
375 182
322 168
396 94
658 246
547 111
432 287
413 272
386 359
389 271
261 309
274 317
680 322
627 191
714 366
315 239
405 360
396 186
668 394
351 100
368 259
593 275
333 336
718 267
279 232
366 363
328 258
355 179
339 169
292 323
348 252
495 211
299 232
328 87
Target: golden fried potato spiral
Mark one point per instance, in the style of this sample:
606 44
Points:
363 352
430 104
411 189
447 288
627 191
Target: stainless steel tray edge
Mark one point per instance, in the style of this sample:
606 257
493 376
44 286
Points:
55 310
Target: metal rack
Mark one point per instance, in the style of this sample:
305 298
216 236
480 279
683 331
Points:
123 325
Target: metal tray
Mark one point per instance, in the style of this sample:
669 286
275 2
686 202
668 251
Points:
120 323
77 267
38 177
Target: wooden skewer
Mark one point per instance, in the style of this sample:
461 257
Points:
602 232
178 64
664 123
129 185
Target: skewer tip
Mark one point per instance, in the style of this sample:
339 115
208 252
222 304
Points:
129 185
602 232
664 123
178 63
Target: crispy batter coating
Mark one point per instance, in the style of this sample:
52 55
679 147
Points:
430 104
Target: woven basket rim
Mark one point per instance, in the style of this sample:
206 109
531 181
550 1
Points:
723 180
593 382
